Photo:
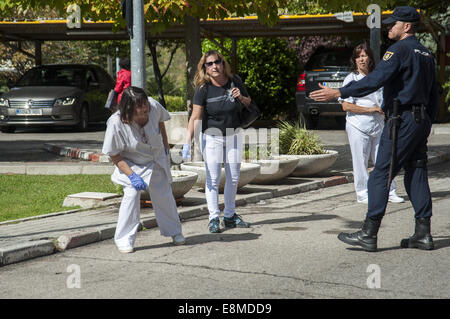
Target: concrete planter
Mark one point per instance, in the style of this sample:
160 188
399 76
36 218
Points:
176 127
248 172
182 183
309 165
274 169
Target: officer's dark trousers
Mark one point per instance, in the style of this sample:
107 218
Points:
411 146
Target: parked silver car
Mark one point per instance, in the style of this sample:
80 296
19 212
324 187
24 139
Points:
60 94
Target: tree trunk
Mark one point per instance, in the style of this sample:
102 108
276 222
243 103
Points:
156 70
193 54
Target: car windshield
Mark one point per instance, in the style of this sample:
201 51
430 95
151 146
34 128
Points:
335 58
51 76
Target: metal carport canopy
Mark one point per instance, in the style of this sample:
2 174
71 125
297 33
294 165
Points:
288 25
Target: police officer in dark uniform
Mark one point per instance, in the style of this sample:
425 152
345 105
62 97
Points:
407 72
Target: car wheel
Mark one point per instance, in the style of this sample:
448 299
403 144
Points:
83 124
309 121
8 129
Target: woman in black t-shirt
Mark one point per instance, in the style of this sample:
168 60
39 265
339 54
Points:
217 99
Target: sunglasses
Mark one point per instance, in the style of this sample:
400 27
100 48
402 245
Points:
217 62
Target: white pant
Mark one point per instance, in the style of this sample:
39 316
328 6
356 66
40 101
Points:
363 147
217 150
164 207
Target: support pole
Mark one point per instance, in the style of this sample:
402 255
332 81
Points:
137 46
38 52
375 39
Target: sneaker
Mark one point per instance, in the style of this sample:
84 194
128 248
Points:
395 199
235 221
363 201
214 225
178 239
126 250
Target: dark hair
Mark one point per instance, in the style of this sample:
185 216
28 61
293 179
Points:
414 27
131 98
124 63
356 52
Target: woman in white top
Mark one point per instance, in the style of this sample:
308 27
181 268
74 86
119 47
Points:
136 141
365 122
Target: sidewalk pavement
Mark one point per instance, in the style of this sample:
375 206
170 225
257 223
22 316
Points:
52 233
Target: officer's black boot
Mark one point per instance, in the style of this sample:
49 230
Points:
422 236
366 237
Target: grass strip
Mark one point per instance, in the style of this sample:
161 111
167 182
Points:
32 195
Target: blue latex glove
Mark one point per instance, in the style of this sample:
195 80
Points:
137 182
186 152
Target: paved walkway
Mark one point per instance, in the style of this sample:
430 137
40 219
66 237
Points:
48 234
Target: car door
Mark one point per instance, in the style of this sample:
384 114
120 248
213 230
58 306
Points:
97 94
106 84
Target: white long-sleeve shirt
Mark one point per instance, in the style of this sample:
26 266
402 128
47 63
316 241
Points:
370 123
140 147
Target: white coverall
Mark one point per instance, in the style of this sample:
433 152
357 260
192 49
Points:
364 133
150 161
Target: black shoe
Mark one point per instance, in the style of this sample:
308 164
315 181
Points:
366 237
235 221
422 238
214 225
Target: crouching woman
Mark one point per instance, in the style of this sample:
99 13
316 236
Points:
136 141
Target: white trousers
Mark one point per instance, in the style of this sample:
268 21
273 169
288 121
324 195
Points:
218 150
164 207
363 146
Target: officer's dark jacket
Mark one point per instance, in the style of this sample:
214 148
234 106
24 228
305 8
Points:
407 73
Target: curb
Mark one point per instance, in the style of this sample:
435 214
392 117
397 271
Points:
77 153
25 251
29 250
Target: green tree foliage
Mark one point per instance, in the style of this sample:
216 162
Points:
160 13
269 69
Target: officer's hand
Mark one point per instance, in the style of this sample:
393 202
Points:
137 182
186 152
376 109
325 94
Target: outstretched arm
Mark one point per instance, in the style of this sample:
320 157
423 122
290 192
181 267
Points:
325 94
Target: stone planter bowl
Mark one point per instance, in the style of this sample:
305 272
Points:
182 182
248 172
309 165
274 169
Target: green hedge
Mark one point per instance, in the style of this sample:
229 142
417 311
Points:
174 103
269 69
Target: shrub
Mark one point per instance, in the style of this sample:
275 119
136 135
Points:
295 139
174 103
269 69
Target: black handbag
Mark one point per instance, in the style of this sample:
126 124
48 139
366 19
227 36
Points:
247 114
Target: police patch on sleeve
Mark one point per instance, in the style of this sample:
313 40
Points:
388 55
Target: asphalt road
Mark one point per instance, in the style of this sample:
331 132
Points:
291 251
27 144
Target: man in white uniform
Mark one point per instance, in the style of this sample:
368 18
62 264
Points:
136 141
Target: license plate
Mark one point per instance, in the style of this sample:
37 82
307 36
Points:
333 85
29 112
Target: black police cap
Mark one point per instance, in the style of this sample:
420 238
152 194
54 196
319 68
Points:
404 14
